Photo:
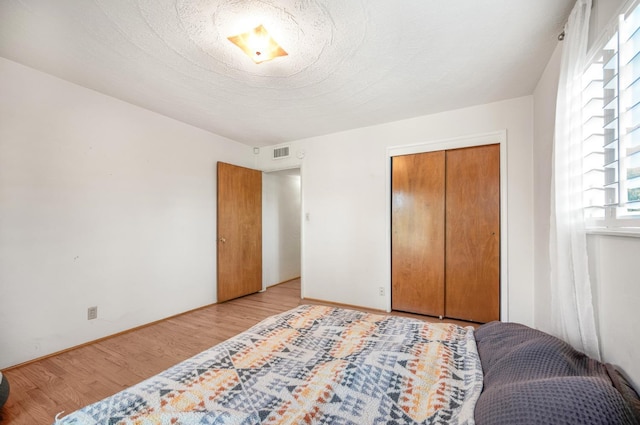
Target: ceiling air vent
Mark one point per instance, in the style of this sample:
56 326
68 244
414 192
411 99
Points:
281 152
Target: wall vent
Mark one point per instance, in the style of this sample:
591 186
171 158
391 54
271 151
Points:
281 152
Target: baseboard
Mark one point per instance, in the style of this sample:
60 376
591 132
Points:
104 338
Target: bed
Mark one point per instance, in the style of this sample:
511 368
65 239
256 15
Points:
325 365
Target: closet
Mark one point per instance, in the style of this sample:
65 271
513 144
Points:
445 242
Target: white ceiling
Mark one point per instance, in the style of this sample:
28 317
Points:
351 63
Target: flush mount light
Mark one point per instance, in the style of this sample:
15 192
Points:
258 45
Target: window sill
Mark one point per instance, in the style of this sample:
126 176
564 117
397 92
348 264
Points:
629 232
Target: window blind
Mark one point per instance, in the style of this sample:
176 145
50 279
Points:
629 150
611 128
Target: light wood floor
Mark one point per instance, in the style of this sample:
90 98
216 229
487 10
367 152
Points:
71 380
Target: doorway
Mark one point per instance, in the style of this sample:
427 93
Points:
281 224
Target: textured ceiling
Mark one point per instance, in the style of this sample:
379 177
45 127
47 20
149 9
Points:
351 63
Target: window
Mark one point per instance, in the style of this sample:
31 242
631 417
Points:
611 127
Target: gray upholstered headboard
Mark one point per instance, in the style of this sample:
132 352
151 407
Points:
531 377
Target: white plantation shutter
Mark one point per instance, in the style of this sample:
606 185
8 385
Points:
629 149
611 128
593 141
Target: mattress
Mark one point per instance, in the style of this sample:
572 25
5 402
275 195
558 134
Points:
313 364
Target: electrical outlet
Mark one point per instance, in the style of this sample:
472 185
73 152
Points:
92 313
381 291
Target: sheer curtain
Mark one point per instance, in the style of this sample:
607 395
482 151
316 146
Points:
572 307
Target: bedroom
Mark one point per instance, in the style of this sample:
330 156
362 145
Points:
88 171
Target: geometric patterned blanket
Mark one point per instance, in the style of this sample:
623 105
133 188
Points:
313 365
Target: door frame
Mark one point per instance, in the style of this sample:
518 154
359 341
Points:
303 218
499 137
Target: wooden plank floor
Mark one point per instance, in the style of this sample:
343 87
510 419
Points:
71 380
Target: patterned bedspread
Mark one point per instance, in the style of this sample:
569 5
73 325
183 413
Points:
313 364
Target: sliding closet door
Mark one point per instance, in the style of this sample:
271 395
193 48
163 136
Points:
417 226
473 233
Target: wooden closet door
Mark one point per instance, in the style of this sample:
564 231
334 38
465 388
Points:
417 227
473 233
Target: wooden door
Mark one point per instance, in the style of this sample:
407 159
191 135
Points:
473 233
239 231
417 226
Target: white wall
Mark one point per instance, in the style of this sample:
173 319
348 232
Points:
602 13
614 270
280 226
102 204
544 119
344 190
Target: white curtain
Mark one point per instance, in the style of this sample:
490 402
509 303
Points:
572 307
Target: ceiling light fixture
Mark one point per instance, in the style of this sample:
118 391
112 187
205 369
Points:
258 45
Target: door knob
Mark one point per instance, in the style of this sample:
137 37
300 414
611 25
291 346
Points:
223 240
